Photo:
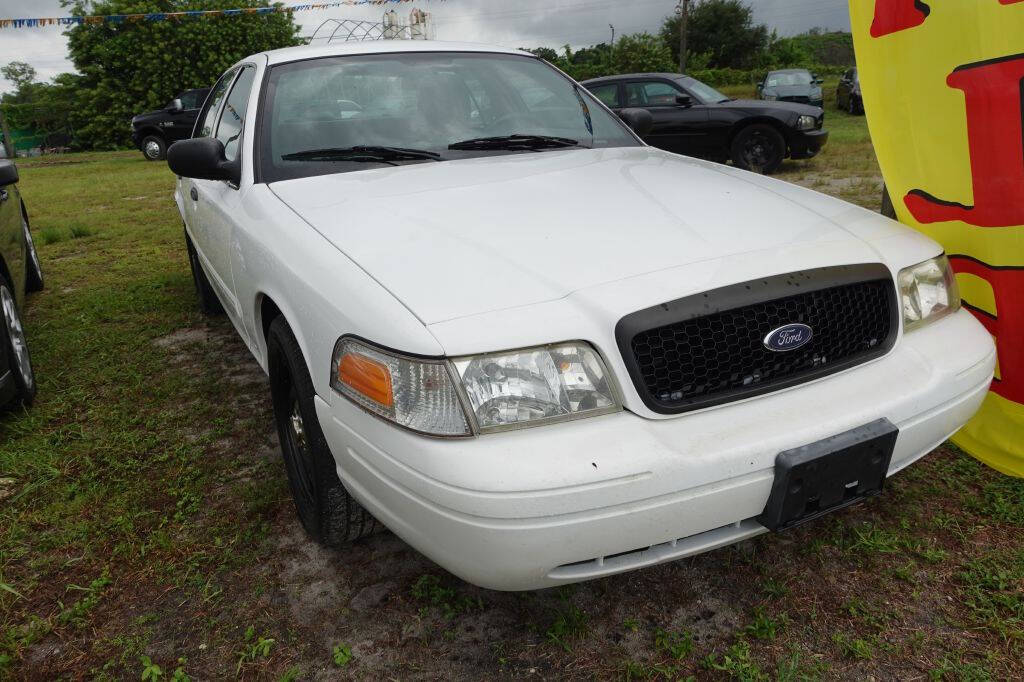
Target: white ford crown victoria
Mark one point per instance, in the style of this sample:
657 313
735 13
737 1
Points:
536 349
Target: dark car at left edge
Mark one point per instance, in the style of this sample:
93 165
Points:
20 274
692 118
154 131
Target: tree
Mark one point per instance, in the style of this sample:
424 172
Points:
641 53
19 73
131 67
545 53
724 28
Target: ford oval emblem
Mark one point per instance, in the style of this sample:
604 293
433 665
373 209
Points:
788 337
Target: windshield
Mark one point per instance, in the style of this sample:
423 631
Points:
789 78
422 103
705 93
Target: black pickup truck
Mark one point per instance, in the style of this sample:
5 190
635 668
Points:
154 131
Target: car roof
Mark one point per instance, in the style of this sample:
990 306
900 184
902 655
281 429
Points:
626 76
292 54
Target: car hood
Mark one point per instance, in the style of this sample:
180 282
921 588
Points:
793 90
464 237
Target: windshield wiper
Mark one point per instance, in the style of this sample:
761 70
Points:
515 142
363 153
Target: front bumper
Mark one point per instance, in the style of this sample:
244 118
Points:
556 504
806 144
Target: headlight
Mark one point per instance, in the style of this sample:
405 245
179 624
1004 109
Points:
536 385
416 393
928 291
805 123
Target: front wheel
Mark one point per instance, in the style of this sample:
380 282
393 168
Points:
12 335
328 513
759 148
154 148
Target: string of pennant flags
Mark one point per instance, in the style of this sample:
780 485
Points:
192 14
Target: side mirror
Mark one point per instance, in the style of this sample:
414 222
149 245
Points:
639 120
8 173
818 81
176 106
202 158
760 87
684 100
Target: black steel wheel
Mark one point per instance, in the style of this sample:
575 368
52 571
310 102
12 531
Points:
328 513
759 148
208 301
12 335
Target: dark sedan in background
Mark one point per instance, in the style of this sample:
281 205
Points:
19 273
154 131
848 93
791 85
695 119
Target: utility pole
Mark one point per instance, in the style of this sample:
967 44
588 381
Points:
613 35
683 10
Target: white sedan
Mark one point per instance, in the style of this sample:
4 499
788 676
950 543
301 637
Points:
536 349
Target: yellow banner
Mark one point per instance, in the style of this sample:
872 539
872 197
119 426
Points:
943 87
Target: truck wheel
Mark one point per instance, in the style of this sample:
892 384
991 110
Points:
154 148
12 335
759 148
328 513
208 301
33 270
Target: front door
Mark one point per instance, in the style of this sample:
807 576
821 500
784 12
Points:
680 128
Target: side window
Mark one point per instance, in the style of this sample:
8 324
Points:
608 94
232 119
190 100
208 116
650 94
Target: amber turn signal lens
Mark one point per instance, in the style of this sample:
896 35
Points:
368 377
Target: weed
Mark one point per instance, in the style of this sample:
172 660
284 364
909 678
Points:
77 612
79 231
428 588
736 663
341 655
764 626
50 235
678 645
570 623
853 647
150 670
255 646
631 624
775 589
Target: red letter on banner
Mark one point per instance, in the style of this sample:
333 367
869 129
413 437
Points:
1007 326
995 136
897 15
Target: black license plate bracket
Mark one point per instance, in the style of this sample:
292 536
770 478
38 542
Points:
821 477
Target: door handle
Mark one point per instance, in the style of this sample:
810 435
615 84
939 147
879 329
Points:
194 194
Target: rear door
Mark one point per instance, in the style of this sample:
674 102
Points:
677 127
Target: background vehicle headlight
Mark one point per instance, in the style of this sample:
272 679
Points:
805 123
418 394
536 385
928 291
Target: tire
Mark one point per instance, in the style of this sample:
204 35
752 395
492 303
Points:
154 148
12 335
33 270
209 304
888 210
759 148
327 512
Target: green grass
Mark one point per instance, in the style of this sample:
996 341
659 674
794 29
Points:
144 531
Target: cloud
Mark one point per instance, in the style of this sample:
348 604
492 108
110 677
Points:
525 23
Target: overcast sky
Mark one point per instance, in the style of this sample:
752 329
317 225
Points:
523 23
